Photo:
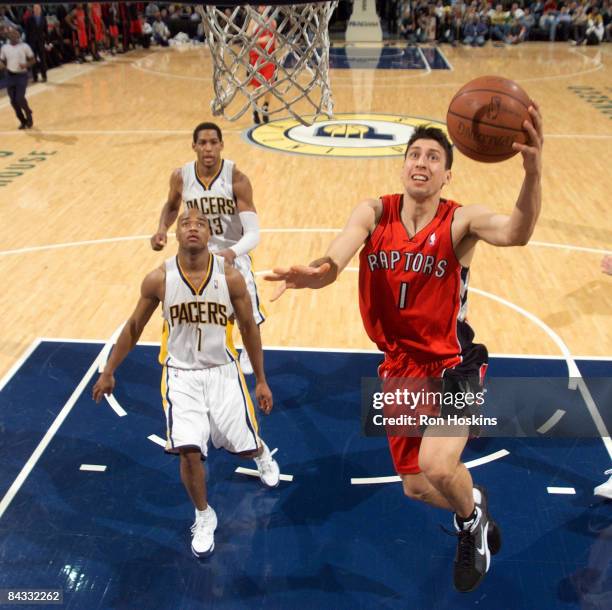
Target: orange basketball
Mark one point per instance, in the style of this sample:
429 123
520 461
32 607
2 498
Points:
486 117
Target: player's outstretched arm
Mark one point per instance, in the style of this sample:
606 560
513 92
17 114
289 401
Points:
325 270
251 337
151 293
169 211
517 228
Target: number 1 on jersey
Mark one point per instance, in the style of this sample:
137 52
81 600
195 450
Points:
403 295
199 339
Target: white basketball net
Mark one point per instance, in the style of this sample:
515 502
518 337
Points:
296 51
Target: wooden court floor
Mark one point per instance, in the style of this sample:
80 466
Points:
82 192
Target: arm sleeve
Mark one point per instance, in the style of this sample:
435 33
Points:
250 237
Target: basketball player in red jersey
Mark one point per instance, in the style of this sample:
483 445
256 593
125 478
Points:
96 32
413 274
264 70
77 21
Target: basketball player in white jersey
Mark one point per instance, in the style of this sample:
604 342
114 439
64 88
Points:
224 195
203 390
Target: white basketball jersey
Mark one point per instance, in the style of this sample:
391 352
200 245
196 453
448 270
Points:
215 199
196 318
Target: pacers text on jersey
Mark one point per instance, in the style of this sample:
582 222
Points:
198 312
213 205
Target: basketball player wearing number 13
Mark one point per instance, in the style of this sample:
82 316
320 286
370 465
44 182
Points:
224 195
413 275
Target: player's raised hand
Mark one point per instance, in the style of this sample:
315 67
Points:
104 385
298 276
158 241
264 396
532 151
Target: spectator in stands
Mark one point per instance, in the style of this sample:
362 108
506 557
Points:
528 20
499 24
562 24
7 21
448 30
606 13
516 12
59 51
595 29
474 32
36 29
161 33
548 19
146 32
578 25
517 32
151 11
407 29
194 16
537 8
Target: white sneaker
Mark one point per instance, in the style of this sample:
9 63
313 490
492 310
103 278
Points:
269 472
245 363
605 489
203 532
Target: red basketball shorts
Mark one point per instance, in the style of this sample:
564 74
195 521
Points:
401 371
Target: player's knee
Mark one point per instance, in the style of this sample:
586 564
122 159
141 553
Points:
416 493
415 489
190 458
439 474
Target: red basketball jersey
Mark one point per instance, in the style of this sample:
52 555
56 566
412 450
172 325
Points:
413 291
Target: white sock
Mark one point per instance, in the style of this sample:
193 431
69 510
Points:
201 513
265 452
470 525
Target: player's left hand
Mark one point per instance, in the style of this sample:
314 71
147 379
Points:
264 396
228 254
532 151
104 385
298 276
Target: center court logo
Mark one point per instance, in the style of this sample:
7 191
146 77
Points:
346 135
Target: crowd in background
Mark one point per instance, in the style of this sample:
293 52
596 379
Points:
63 33
477 21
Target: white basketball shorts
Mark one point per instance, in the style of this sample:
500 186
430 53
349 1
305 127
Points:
205 404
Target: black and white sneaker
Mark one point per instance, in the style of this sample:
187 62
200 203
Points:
494 538
473 557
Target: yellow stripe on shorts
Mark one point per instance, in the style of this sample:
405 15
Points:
250 407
